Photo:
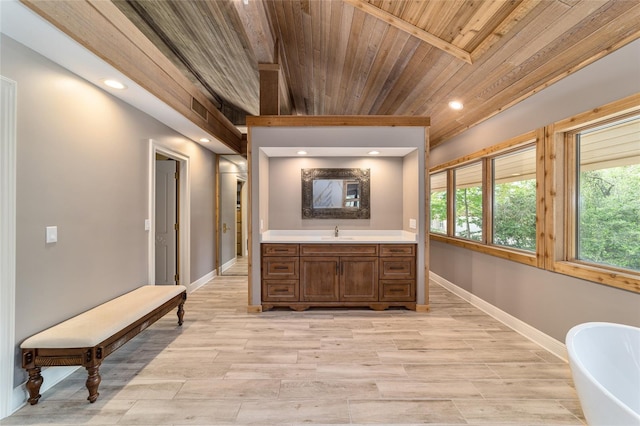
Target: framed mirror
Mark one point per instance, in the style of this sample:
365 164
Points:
335 193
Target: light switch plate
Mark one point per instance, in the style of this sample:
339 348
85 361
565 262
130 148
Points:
51 234
413 224
147 224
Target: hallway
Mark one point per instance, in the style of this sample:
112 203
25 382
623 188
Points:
453 365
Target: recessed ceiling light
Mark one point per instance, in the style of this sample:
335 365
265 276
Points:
302 152
205 140
457 105
374 152
114 84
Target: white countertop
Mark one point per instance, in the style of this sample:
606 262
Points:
345 236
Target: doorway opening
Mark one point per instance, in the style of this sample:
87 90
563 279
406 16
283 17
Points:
232 201
169 217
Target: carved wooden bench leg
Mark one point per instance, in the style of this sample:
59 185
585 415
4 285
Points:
33 385
93 381
180 313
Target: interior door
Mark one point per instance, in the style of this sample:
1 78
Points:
166 222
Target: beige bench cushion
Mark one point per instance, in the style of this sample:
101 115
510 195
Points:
95 325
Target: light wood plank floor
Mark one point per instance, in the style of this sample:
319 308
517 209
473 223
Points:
453 365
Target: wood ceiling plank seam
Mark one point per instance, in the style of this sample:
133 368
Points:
293 14
365 67
321 16
512 20
315 48
296 50
180 38
444 15
255 28
423 13
463 19
447 133
493 25
395 76
551 55
286 90
390 49
207 30
347 15
311 94
549 69
464 83
475 25
428 14
327 52
421 102
412 29
276 11
355 39
411 75
333 62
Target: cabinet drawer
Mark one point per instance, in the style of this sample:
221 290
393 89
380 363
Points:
397 268
280 267
397 249
279 249
280 290
338 250
397 290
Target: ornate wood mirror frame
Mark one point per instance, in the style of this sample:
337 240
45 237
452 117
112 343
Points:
335 193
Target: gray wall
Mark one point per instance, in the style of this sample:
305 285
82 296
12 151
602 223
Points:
82 165
550 302
285 192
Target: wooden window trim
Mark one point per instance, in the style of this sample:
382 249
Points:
556 201
485 156
561 162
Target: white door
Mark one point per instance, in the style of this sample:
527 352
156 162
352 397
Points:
166 222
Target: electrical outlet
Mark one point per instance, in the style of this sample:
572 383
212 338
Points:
412 224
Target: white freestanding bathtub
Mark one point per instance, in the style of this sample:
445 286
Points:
605 365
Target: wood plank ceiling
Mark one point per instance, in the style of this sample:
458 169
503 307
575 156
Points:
384 57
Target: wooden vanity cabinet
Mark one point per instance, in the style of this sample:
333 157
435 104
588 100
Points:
336 275
280 272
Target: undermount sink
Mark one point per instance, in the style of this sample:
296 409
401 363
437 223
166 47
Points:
336 238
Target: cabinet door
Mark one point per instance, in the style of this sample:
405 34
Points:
319 279
359 279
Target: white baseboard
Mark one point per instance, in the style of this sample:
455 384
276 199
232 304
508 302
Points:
51 376
201 281
228 265
552 345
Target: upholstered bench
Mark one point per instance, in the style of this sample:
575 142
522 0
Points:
87 339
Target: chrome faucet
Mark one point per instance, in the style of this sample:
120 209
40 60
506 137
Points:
335 231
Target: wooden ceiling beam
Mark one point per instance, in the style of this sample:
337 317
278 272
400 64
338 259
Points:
423 35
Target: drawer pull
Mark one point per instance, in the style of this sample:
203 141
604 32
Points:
281 267
396 268
395 290
396 250
280 290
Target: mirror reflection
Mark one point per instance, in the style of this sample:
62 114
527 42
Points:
335 193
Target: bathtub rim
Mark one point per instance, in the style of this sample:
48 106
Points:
575 360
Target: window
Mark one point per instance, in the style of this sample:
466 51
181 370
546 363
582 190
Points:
468 202
565 197
438 202
514 199
608 194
